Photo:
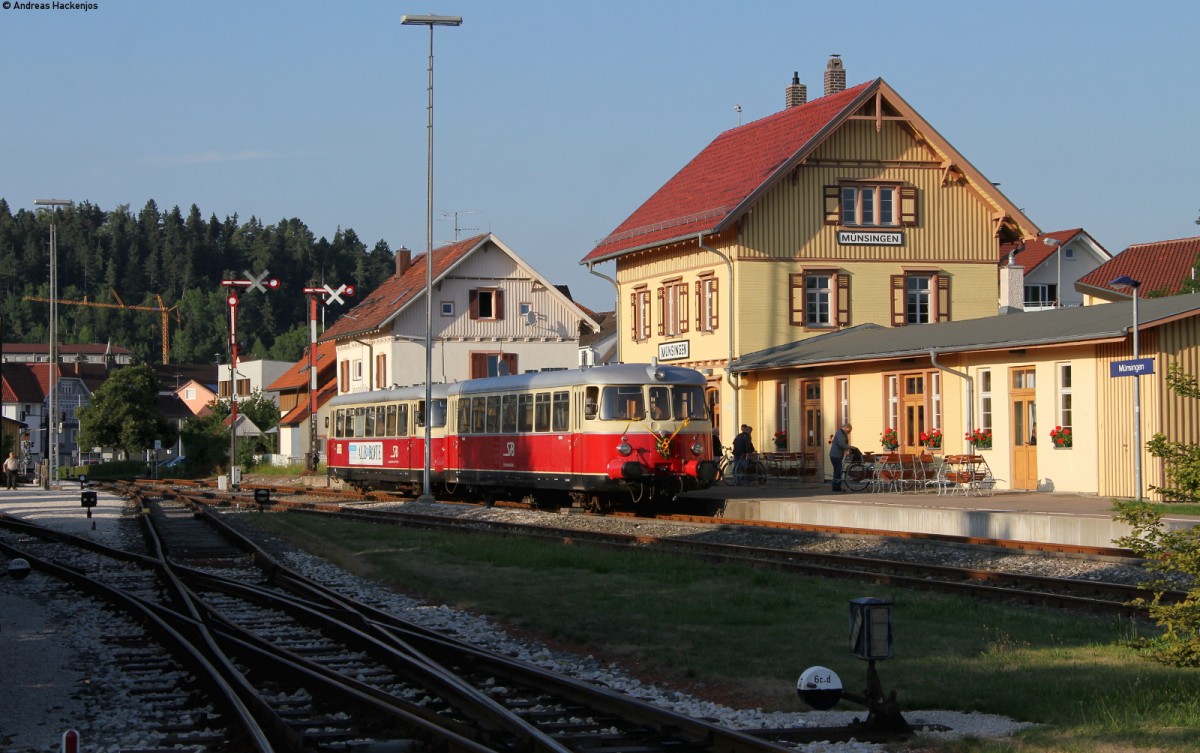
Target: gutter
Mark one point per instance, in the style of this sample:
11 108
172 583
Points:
616 306
970 387
729 377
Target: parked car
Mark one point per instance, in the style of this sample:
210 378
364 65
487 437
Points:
175 462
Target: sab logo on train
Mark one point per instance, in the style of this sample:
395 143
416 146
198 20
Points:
366 453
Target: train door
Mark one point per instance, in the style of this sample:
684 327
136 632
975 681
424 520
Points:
712 398
1022 389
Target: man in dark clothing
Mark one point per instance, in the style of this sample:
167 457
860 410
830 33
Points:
743 449
837 452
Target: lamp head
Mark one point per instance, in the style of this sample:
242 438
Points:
418 20
1052 242
1125 281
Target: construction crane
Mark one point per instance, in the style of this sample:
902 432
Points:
161 309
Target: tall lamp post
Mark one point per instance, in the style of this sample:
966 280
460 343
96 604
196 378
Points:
1125 281
430 21
53 205
1057 245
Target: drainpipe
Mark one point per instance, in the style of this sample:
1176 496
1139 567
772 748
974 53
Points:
735 383
970 386
617 308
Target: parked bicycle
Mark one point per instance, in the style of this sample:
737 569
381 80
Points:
754 470
857 471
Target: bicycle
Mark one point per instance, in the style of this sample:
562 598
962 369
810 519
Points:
753 472
857 473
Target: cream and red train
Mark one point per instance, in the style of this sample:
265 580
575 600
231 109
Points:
604 435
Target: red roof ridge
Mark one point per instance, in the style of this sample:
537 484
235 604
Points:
1192 239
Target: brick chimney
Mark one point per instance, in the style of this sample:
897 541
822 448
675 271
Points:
797 93
403 260
835 75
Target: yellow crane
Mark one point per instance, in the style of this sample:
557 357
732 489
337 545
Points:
161 308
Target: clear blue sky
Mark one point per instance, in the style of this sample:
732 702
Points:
555 120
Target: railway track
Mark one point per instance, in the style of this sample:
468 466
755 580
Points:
1089 595
256 657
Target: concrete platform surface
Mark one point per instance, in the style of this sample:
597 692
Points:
1055 517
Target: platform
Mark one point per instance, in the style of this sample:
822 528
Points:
1056 518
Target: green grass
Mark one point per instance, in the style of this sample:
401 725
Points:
742 635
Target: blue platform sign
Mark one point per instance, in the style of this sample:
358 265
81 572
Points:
1131 367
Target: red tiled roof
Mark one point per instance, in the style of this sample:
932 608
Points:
398 291
22 383
300 413
297 376
1161 267
733 168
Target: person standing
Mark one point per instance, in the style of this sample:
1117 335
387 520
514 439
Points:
837 453
10 470
743 452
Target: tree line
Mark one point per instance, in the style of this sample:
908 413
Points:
117 256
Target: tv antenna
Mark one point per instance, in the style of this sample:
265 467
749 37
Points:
455 214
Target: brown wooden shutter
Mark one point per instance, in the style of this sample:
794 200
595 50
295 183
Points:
897 300
479 365
380 371
841 287
833 205
633 317
699 305
682 304
473 304
908 206
943 298
796 299
498 305
345 374
662 311
511 360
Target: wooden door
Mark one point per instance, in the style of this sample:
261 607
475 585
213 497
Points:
1022 395
810 412
912 412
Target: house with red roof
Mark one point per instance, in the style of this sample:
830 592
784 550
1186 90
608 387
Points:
492 313
846 210
1161 268
1041 272
297 428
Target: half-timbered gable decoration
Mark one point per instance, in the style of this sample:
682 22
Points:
846 210
492 314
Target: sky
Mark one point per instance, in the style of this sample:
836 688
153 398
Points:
555 120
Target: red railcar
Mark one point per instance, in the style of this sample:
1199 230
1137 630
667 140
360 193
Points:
603 435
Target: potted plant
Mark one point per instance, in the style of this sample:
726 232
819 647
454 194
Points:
1060 436
890 439
781 440
932 439
981 438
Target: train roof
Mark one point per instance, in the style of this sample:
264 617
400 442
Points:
624 373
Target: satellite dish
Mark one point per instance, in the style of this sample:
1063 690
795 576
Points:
530 318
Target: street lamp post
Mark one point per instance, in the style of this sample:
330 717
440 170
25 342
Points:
1133 285
1057 245
430 21
53 205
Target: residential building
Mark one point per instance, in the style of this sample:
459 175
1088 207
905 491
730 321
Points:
108 354
197 396
294 389
492 314
847 210
1049 266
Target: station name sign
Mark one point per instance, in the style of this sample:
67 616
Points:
870 238
1131 367
674 351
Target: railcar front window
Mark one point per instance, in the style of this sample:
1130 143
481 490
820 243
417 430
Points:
688 402
464 415
339 429
660 403
622 403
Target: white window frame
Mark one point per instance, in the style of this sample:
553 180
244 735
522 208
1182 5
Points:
641 314
985 400
935 399
708 304
893 402
843 398
1064 407
819 300
916 296
356 370
447 308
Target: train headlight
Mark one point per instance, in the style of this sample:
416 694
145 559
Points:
660 374
697 448
625 448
